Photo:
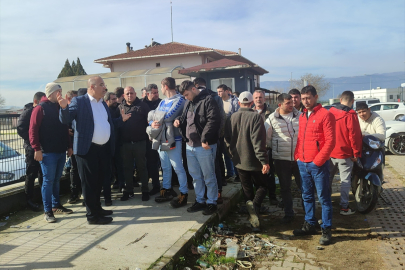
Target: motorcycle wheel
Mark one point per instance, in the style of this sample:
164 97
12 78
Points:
368 200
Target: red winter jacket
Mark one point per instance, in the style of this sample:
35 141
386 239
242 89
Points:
316 136
348 133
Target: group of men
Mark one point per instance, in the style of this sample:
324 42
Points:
194 133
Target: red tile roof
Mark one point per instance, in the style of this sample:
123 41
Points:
223 63
171 48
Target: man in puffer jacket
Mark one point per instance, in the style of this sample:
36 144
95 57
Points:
282 134
316 140
172 107
348 147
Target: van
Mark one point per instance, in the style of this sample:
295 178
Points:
368 101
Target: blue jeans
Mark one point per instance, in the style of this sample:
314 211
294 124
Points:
230 171
313 177
201 166
52 167
173 158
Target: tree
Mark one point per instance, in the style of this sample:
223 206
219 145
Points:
74 67
79 68
2 100
321 85
66 70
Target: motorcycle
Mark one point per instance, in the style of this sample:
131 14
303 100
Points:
367 174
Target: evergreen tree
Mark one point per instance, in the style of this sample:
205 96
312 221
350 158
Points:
66 70
79 68
74 67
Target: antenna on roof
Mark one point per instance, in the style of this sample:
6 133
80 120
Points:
171 18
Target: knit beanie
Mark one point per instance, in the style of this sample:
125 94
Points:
50 88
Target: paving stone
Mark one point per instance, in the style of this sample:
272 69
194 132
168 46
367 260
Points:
280 268
295 265
310 256
312 267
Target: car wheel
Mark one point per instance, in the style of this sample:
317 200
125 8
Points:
398 116
397 145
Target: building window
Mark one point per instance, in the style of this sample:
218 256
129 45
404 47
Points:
397 96
157 64
230 82
391 96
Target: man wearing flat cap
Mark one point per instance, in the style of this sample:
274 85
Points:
50 140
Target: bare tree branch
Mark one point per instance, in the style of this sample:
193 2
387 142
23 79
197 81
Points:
317 81
2 100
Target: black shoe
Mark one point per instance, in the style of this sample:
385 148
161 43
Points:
60 210
166 195
179 201
104 212
108 203
210 209
73 199
196 207
100 221
190 186
154 191
224 183
126 196
273 201
307 229
326 236
33 206
145 196
287 219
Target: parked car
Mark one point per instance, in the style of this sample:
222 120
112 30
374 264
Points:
389 110
395 136
12 164
368 101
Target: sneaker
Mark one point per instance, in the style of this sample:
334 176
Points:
287 219
254 218
196 207
60 210
73 199
210 209
220 200
307 229
346 211
179 201
230 178
145 196
326 236
166 195
154 191
126 196
49 217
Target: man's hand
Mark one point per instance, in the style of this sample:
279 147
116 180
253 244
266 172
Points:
70 132
176 123
38 155
205 145
265 169
124 116
70 152
155 124
354 159
63 102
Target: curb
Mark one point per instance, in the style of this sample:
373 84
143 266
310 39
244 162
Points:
172 255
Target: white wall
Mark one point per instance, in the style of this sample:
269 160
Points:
185 61
382 94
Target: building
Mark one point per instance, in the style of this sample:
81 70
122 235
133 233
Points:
383 94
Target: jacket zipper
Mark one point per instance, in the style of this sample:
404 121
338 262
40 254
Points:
303 144
292 138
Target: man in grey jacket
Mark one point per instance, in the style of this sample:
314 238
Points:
282 134
245 137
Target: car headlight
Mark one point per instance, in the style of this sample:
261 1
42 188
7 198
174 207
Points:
6 175
377 162
374 144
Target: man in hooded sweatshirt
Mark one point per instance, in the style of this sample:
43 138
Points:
347 148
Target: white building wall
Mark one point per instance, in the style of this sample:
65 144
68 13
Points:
384 95
185 61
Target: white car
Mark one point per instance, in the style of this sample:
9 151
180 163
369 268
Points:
395 136
389 110
12 164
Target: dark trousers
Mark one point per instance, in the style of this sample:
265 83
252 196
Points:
153 164
117 168
256 178
93 169
271 179
131 151
33 170
285 169
75 184
220 150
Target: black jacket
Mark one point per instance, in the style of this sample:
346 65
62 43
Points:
134 129
152 104
207 117
23 124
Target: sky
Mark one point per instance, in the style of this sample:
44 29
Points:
333 38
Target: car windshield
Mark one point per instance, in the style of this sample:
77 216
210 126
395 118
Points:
7 152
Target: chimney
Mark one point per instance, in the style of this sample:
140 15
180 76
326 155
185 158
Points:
128 47
240 51
151 44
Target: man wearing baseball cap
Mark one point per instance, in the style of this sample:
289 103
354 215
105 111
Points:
245 137
50 140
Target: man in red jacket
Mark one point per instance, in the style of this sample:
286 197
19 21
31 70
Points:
316 139
347 148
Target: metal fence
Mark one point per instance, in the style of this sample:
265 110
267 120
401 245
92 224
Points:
12 158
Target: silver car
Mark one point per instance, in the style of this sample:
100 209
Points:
389 110
395 136
12 164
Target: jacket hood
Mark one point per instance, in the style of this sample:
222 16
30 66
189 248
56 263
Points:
341 113
45 99
28 106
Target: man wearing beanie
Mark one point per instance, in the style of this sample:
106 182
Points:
50 140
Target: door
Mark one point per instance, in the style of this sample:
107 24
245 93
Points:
389 111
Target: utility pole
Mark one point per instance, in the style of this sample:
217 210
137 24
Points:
370 82
171 18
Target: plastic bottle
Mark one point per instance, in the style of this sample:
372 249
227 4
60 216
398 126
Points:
202 249
232 250
202 263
